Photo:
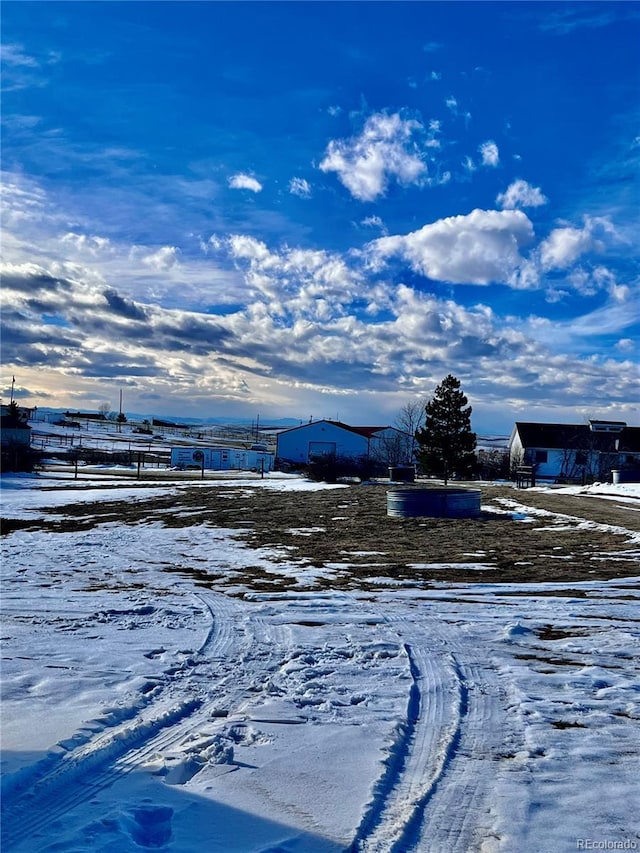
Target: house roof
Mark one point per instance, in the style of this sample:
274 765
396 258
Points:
577 437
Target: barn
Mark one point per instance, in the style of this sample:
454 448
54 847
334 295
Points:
311 441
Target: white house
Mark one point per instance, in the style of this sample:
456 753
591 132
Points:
303 444
578 452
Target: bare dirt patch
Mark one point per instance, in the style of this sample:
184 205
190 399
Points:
578 538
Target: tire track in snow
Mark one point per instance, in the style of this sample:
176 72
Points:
457 817
426 741
180 708
65 787
432 797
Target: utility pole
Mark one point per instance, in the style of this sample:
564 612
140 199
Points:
13 382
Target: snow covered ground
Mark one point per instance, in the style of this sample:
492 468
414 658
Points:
144 709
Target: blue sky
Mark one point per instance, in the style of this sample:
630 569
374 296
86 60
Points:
322 209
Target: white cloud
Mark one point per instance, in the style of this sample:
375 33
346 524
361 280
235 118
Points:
300 283
245 182
13 54
374 222
162 260
626 345
87 242
468 165
521 194
479 248
300 187
620 292
22 200
384 150
564 246
490 154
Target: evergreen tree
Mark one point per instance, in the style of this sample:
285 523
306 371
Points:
446 443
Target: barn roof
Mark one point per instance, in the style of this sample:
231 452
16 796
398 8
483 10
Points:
365 431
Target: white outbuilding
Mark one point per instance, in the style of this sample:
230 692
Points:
221 459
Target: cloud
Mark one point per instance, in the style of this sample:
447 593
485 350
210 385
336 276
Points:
300 187
21 70
612 318
568 20
164 259
304 324
22 200
490 154
375 222
468 165
521 194
124 307
564 246
275 324
31 278
384 150
479 248
87 242
296 282
626 345
14 55
245 182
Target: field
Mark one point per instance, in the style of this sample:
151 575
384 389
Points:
277 665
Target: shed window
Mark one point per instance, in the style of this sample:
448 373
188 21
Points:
541 457
581 458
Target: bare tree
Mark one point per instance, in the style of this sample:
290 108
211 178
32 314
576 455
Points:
410 419
393 448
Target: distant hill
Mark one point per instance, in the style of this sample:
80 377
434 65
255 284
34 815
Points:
47 412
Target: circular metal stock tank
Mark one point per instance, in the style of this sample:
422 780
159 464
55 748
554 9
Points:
435 503
402 473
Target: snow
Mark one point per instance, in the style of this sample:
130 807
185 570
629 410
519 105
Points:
143 708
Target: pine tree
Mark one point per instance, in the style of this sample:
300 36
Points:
446 443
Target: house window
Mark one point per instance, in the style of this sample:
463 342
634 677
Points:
540 457
581 458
